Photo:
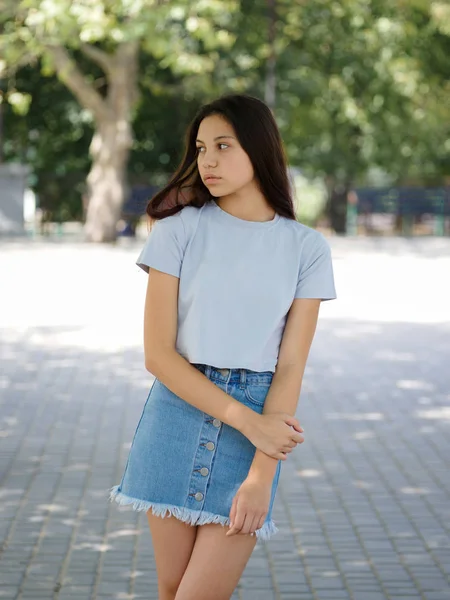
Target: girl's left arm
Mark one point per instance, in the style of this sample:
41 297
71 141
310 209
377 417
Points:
286 384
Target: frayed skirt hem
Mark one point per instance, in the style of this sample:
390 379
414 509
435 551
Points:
187 515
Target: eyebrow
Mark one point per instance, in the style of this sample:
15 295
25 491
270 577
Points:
219 137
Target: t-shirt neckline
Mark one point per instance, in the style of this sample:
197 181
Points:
232 220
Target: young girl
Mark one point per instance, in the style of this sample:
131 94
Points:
233 295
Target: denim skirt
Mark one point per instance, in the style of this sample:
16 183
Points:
185 463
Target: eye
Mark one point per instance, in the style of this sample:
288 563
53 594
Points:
199 149
226 145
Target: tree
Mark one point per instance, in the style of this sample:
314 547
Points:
353 79
350 96
111 34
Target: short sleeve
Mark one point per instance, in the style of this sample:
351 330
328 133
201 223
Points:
316 279
165 246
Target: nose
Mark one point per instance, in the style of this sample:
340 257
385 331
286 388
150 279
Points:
209 159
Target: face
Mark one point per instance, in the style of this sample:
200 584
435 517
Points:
222 163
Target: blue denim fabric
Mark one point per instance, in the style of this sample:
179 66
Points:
185 463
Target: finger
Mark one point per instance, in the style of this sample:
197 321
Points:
279 455
247 524
255 523
293 422
233 511
261 521
238 521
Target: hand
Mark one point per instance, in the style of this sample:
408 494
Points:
275 434
250 506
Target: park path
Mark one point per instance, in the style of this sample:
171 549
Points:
363 507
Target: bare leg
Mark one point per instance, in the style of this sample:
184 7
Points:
173 542
216 565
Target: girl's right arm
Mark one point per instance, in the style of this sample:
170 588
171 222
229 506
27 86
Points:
275 434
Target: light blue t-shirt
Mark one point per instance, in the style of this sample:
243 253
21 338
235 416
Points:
238 280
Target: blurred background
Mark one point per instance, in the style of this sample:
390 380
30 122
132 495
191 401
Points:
95 97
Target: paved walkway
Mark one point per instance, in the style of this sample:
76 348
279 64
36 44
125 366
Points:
364 504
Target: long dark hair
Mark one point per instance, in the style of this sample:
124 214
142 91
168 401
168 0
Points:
258 134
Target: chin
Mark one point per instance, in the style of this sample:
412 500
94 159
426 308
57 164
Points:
217 194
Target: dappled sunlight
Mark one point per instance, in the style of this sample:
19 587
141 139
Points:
441 414
425 400
93 546
364 435
4 433
392 356
374 404
5 492
427 429
438 541
52 508
363 485
356 330
336 370
416 558
96 493
124 533
357 563
37 519
414 491
308 473
375 416
76 467
414 384
405 535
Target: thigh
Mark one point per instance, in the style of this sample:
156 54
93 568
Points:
216 565
173 542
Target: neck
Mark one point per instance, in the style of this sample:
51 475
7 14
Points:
248 203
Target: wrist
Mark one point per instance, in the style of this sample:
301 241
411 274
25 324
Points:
244 419
263 468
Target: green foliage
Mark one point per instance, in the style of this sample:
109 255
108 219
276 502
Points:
173 32
360 85
310 199
53 139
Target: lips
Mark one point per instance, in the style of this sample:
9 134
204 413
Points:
211 178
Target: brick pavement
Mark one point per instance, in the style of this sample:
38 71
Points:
363 505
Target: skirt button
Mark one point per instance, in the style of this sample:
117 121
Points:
210 446
217 423
204 471
198 496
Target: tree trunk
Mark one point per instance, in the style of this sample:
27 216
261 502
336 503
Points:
107 180
110 146
336 208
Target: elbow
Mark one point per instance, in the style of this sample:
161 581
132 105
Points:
151 363
155 362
